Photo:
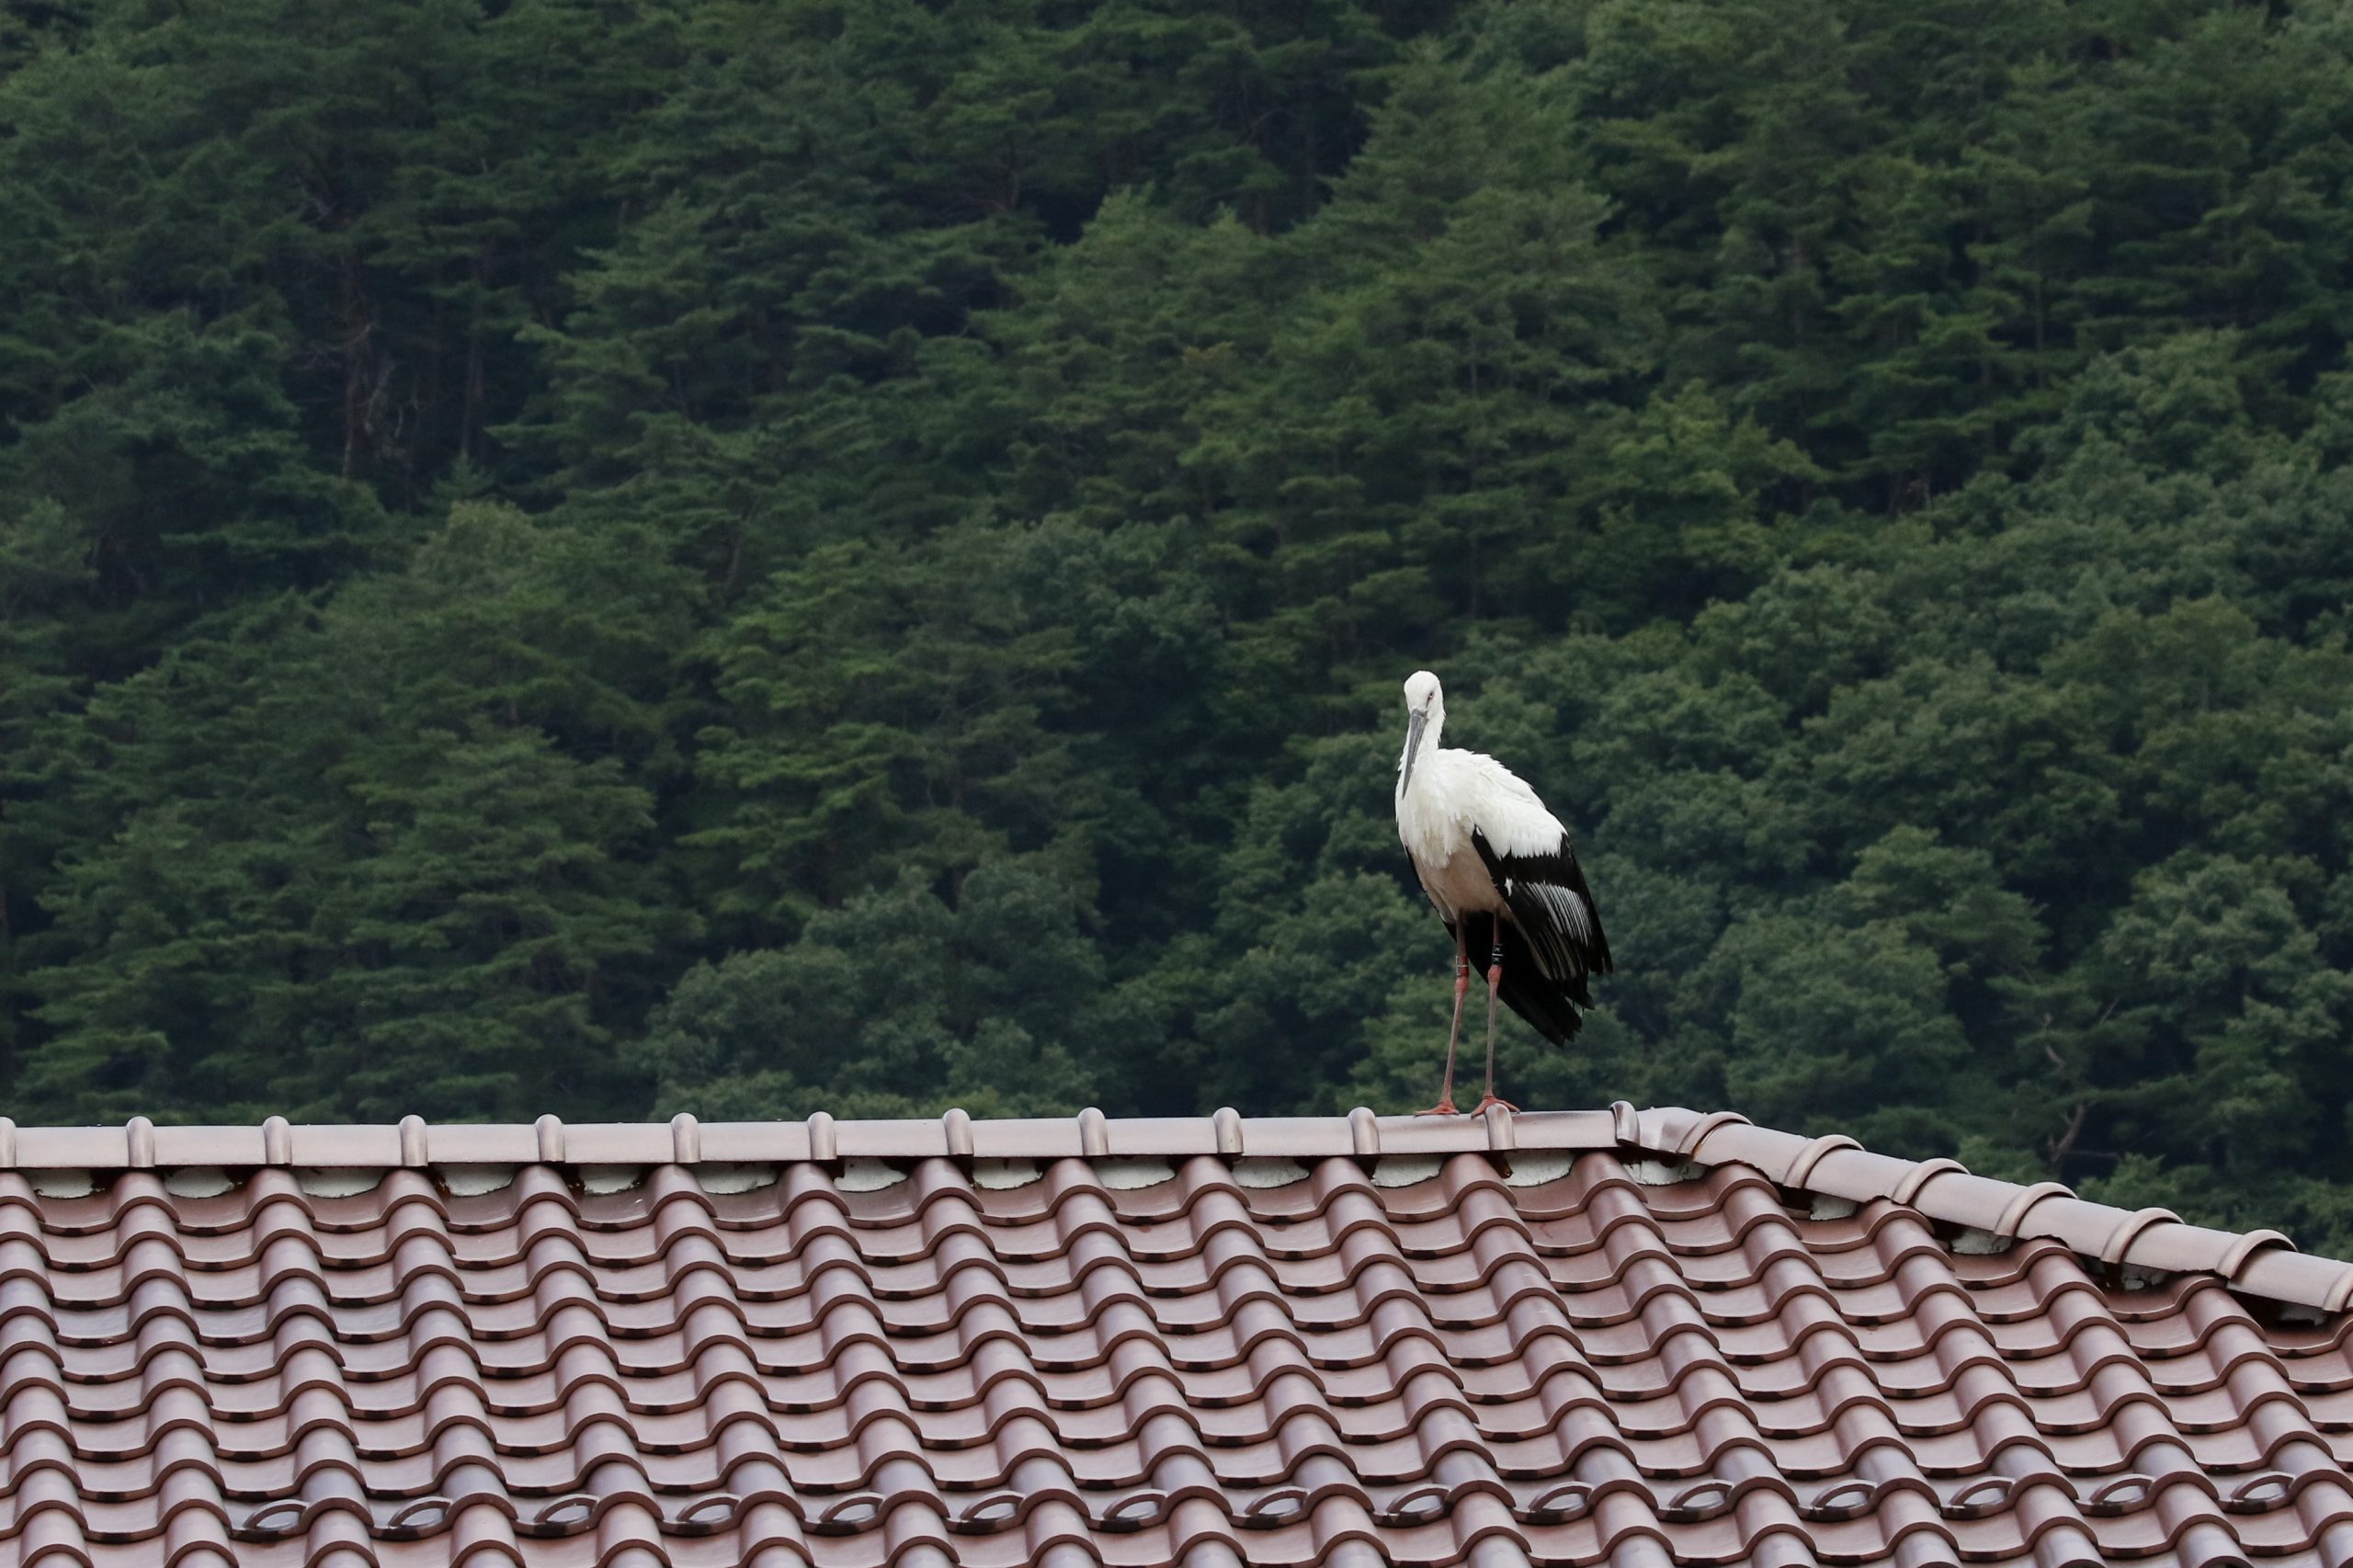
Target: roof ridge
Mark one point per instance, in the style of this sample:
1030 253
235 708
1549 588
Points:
2262 1262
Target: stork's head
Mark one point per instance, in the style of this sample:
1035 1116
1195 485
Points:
1425 715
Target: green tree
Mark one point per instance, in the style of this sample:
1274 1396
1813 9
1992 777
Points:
898 1004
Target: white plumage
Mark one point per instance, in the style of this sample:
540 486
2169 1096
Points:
1498 865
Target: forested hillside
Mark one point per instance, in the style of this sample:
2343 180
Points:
613 556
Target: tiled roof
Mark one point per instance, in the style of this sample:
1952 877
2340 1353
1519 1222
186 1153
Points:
1639 1339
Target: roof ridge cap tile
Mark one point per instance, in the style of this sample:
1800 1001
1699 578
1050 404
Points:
415 1141
2261 1263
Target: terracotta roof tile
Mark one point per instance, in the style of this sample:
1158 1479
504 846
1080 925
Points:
1608 1337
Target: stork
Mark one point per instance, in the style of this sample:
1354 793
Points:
1499 867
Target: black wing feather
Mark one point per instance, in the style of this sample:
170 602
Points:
1554 940
1525 989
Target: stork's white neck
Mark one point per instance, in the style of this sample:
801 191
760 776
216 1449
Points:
1430 823
1429 743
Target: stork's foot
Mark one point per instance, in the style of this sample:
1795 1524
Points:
1481 1109
1444 1108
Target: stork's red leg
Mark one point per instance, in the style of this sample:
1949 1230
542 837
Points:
1445 1106
1495 984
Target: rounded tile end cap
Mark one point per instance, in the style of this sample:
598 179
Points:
2129 1229
1801 1171
2230 1264
2006 1227
1503 1133
1701 1130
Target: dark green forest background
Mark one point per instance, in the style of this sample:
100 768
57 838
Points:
756 557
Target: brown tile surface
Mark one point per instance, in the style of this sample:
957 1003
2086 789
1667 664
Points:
1605 1336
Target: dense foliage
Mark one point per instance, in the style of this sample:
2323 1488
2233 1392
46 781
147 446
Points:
623 555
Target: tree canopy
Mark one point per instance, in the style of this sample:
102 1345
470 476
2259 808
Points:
682 554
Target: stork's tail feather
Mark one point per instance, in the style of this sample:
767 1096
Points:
1550 1006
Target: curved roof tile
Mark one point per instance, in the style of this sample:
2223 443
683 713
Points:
1613 1336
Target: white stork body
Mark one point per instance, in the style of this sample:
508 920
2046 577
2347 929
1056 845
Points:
1490 858
1456 792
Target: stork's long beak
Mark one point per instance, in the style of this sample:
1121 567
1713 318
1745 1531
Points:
1413 749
